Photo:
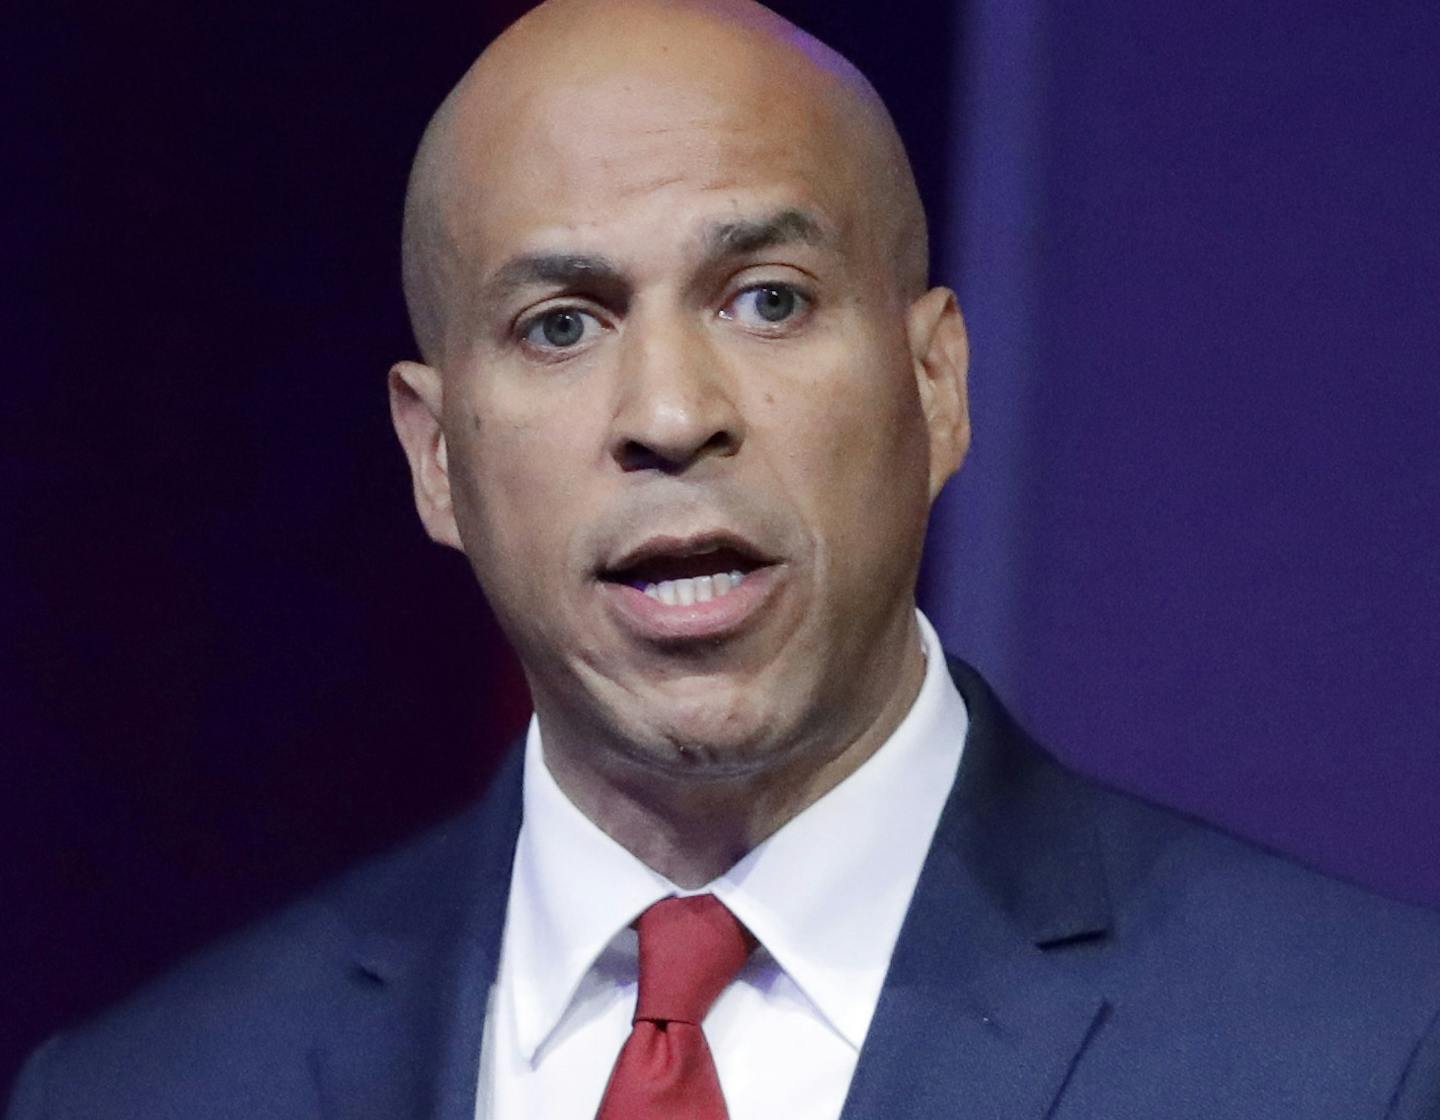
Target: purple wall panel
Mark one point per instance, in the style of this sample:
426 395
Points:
1227 588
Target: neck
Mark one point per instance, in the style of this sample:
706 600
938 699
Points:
692 829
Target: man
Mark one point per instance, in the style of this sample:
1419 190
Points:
685 402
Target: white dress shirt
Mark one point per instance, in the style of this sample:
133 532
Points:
825 896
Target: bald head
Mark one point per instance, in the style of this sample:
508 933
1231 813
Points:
667 267
673 70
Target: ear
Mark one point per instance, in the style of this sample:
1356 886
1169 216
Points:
940 352
416 402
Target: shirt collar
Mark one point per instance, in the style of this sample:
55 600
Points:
826 894
572 890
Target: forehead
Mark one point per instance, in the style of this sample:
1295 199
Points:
596 155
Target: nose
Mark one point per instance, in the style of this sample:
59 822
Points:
675 403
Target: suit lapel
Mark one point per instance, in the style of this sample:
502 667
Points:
406 1034
981 1015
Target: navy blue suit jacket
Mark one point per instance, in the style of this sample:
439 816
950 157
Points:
1071 952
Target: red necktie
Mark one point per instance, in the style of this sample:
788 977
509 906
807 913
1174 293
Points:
690 950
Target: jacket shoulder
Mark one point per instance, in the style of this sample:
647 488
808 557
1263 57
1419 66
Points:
1163 861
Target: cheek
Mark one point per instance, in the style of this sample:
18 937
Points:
854 439
508 467
870 489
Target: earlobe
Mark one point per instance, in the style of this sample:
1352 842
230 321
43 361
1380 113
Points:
940 351
416 408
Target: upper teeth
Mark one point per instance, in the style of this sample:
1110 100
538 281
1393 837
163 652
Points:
697 589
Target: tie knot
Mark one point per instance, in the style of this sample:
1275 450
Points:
690 950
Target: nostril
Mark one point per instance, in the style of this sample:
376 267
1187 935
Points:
638 455
721 443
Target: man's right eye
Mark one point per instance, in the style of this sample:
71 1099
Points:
560 328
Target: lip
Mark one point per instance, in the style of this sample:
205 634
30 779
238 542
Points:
726 616
663 545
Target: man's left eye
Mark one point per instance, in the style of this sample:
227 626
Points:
765 305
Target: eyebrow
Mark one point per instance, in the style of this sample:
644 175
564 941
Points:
560 270
730 239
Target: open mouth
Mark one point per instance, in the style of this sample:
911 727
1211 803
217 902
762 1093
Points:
680 575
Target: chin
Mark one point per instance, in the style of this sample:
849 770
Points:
715 736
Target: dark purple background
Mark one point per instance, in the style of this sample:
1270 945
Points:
1197 542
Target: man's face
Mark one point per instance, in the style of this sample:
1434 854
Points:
687 453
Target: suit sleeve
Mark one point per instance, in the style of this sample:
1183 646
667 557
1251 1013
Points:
1417 1097
27 1099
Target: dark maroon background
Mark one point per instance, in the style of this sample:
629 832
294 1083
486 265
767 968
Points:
1197 542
